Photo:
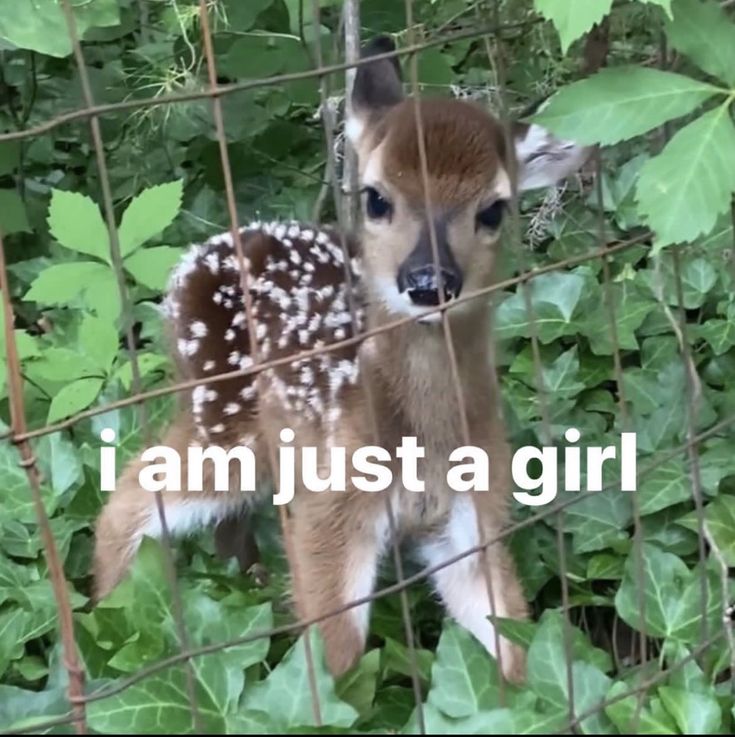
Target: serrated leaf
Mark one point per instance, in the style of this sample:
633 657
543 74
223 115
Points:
60 284
99 340
682 191
76 222
74 398
620 103
149 214
706 34
573 18
151 267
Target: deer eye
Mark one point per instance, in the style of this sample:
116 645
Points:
376 206
491 217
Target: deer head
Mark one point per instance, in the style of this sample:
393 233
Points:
471 178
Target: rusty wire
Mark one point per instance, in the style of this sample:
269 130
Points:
20 435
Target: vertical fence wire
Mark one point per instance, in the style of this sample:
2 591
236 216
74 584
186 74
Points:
498 64
29 462
117 264
255 351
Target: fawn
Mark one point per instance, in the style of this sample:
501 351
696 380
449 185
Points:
300 297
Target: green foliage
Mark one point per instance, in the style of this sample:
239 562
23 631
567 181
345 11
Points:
167 191
684 189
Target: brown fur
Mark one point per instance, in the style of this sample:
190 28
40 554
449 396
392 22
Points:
338 538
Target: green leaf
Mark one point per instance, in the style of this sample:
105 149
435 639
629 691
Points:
74 398
149 214
672 595
720 520
620 103
357 687
573 18
13 218
75 221
61 284
103 296
682 191
665 4
158 705
664 486
40 25
720 334
291 677
706 34
652 718
98 339
554 298
695 713
151 267
495 721
548 676
464 679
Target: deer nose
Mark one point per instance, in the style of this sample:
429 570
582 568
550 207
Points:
421 285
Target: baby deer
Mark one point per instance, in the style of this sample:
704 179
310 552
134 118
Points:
300 297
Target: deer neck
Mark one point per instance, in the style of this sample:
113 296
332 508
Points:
414 365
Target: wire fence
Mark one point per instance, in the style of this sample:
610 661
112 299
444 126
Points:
490 29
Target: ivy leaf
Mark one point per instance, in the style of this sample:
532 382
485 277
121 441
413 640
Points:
157 705
720 520
704 32
720 334
554 298
695 713
98 339
548 676
74 398
682 191
673 595
495 721
664 486
149 214
620 103
464 678
40 25
357 688
151 266
75 221
651 718
291 676
573 18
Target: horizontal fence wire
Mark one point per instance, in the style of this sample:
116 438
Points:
491 32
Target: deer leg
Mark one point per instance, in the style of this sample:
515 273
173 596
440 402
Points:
334 560
131 512
463 586
234 538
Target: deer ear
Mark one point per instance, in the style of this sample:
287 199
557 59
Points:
543 159
378 86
